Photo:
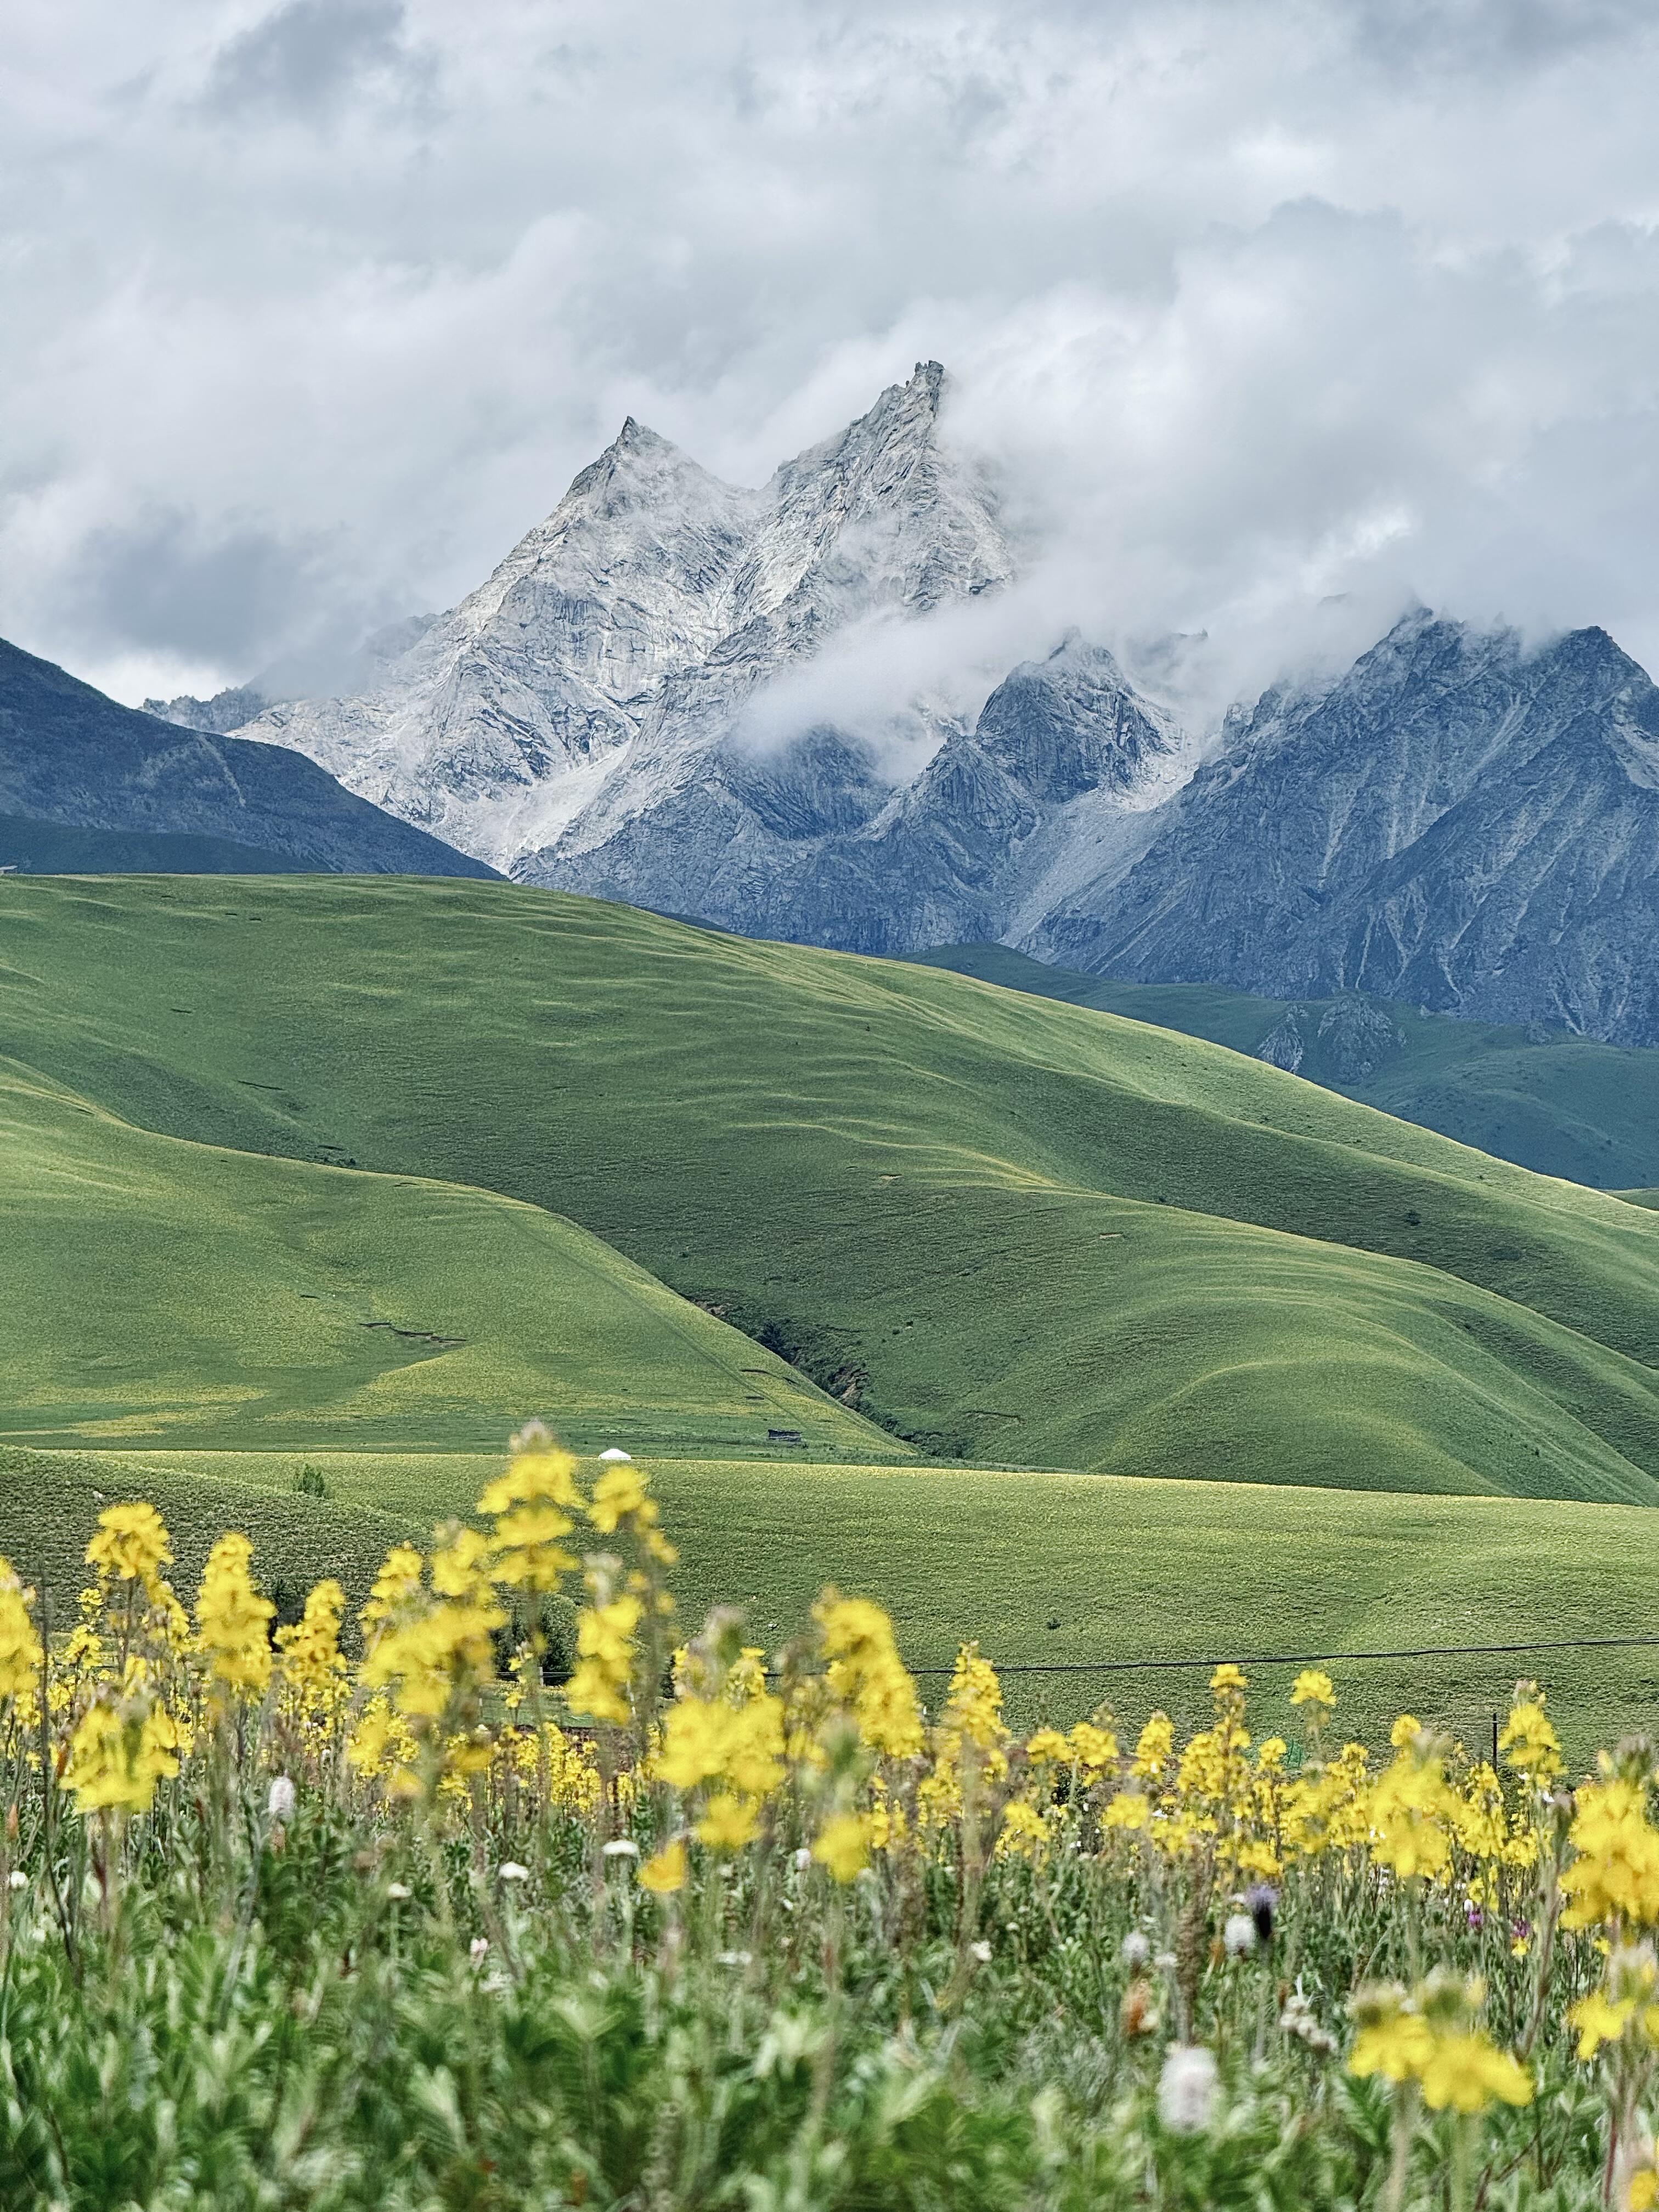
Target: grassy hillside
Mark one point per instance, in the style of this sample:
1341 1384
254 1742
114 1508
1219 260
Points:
1016 1230
1561 1105
162 1289
1052 1571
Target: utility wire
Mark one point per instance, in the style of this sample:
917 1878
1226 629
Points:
1310 1658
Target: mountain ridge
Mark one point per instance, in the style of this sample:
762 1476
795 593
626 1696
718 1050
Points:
73 758
644 702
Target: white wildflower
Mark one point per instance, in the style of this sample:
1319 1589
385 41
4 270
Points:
280 1803
622 1847
981 1951
1239 1935
19 1879
1186 2089
615 1454
398 1891
477 1948
1298 2019
1136 1950
510 1871
804 1860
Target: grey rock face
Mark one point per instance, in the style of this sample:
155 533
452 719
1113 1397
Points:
1458 821
809 842
225 711
70 756
592 688
1357 1038
1284 1046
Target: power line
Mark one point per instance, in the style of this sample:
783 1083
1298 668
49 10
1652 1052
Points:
1311 1658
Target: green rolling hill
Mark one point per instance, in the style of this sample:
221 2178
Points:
159 1289
1070 1582
1562 1105
1007 1228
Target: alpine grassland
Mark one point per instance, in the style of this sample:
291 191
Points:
155 1286
1080 1586
1550 1099
1002 1228
364 1909
386 1825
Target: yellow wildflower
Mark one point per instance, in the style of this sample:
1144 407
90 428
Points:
706 1739
1049 1748
1093 1746
664 1873
20 1643
381 1747
1024 1833
728 1822
1313 1686
131 1545
396 1589
1410 1806
1467 2071
433 1650
531 1504
605 1651
1529 1742
1398 2047
843 1847
1155 1749
1130 1808
233 1620
1616 1874
122 1746
866 1675
1599 2021
620 1499
313 1683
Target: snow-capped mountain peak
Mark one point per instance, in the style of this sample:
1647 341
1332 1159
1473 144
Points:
621 638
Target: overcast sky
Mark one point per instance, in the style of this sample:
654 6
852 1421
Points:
310 310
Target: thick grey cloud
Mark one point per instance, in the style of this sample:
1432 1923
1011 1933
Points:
307 57
306 311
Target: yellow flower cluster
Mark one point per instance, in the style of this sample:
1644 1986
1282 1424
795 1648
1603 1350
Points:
233 1620
1429 2035
733 1738
315 1683
19 1645
124 1743
1616 1875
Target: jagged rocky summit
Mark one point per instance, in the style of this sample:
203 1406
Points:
596 678
1459 820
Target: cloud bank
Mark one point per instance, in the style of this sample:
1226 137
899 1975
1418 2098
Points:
1257 309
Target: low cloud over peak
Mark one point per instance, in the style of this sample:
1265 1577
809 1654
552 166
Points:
311 311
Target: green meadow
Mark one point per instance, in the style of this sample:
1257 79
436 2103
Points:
1003 1228
1562 1105
1102 1342
160 1288
1055 1573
